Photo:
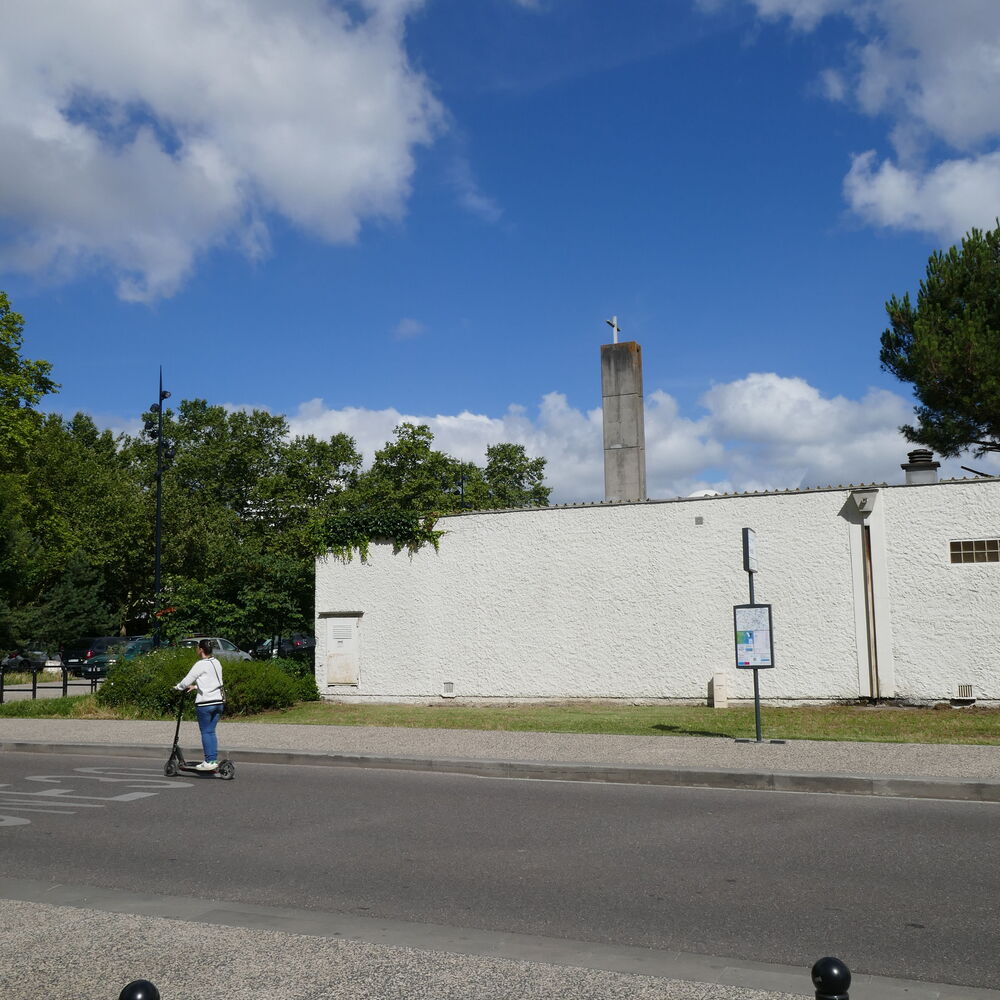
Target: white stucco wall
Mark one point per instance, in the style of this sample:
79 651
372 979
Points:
944 614
635 601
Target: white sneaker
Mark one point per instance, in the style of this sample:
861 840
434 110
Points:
207 765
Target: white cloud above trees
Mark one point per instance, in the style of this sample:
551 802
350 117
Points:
932 71
138 136
762 432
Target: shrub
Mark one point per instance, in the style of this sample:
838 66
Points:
300 670
146 684
256 687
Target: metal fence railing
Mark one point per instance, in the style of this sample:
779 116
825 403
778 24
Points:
66 683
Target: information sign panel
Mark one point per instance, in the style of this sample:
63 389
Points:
754 642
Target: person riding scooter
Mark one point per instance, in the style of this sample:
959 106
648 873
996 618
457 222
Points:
205 677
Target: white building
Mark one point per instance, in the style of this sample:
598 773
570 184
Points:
880 591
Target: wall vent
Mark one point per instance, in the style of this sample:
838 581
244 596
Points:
448 689
965 692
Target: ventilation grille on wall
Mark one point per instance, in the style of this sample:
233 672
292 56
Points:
965 692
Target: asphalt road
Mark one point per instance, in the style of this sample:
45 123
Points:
896 887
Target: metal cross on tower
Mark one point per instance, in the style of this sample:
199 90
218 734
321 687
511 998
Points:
613 323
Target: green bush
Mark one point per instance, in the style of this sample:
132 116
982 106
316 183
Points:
146 683
302 672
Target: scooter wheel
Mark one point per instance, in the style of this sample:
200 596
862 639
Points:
170 768
227 770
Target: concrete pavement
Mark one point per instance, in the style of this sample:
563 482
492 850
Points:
324 957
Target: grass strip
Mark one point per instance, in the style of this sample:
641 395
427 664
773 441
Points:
851 723
848 722
82 706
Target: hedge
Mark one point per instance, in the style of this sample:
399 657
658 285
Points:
146 684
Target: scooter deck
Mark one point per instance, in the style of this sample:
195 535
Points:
176 762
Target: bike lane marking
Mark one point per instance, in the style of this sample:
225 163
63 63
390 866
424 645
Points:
66 801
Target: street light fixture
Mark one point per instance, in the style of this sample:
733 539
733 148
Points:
161 453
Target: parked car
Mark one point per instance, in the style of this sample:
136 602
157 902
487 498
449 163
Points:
297 645
22 659
127 649
79 652
222 648
37 658
14 662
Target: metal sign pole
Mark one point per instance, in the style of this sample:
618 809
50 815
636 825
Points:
751 656
756 702
756 676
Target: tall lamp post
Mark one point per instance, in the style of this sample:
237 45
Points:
161 452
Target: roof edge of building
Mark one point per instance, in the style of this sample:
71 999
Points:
748 494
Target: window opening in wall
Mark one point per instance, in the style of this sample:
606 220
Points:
978 550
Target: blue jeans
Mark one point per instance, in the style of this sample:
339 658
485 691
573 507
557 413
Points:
208 719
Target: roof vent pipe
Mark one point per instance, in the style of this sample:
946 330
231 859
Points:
921 467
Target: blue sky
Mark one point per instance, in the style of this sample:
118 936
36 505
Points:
357 213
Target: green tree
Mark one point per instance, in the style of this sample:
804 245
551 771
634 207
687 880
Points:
408 474
513 479
948 347
241 507
72 503
22 384
75 606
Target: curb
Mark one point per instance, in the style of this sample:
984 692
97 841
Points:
955 789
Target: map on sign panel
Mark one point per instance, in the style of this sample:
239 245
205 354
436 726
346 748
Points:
753 636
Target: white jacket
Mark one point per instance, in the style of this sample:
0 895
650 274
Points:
207 674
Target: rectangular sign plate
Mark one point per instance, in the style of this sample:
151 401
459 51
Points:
754 636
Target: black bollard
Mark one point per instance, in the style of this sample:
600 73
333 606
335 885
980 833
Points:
832 979
139 989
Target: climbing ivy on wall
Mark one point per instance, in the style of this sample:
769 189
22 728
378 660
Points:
345 534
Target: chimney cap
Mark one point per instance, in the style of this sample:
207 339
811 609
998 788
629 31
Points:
921 468
922 456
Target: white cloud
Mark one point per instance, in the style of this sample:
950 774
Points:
764 431
468 192
138 136
408 328
932 70
782 432
804 14
948 199
832 85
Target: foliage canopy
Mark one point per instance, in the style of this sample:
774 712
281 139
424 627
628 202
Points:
947 346
22 384
246 509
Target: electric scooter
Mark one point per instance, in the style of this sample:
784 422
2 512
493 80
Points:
176 762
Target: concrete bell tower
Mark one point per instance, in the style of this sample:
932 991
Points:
624 430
